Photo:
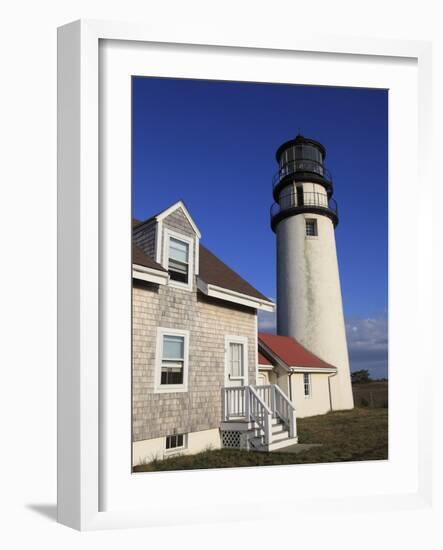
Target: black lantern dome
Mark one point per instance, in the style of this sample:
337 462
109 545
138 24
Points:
301 160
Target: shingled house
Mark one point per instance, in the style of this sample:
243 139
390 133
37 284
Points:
202 375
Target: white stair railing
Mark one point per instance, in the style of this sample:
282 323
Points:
234 402
259 413
285 410
266 394
280 406
259 404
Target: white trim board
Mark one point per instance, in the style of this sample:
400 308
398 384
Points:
179 204
233 296
150 275
312 370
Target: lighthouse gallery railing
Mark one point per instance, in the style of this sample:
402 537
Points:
294 199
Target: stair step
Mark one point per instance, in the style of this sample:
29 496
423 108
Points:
279 436
282 443
277 428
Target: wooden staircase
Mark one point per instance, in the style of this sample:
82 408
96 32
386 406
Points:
263 416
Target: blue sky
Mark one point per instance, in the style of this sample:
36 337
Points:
212 144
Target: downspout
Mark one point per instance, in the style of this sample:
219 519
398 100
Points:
290 385
329 387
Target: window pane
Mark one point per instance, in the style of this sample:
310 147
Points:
173 347
178 250
236 358
180 267
171 373
174 441
311 228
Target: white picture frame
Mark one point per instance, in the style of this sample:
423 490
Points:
82 398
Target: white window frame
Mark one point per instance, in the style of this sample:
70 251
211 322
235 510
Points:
167 235
176 449
308 374
171 388
233 339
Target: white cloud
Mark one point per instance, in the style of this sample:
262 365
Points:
368 344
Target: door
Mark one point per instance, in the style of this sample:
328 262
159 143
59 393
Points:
236 364
236 375
261 379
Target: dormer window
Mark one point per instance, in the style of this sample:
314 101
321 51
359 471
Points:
178 260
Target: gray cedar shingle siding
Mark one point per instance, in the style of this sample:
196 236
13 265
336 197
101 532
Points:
209 321
145 236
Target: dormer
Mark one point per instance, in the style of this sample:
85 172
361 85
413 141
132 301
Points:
172 238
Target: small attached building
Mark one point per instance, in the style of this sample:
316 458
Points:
304 377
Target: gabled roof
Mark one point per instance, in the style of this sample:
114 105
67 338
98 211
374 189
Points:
140 258
214 276
166 212
215 272
290 352
179 204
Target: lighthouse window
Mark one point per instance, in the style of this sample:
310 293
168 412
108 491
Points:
178 263
311 228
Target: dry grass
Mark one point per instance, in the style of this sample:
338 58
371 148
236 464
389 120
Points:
371 394
360 434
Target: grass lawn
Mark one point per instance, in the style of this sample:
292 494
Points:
360 434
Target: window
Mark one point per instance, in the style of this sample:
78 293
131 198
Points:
307 388
171 360
175 442
236 360
311 228
178 260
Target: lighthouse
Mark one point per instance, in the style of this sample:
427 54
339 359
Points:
309 302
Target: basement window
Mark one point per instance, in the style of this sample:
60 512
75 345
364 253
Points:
175 442
311 228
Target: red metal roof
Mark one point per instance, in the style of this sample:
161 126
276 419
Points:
262 360
291 352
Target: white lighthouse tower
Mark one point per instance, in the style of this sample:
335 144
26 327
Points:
309 302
